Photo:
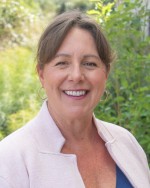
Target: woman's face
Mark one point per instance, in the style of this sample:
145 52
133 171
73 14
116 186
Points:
75 79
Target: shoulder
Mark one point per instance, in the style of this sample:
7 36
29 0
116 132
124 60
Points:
15 150
110 132
116 131
20 137
112 127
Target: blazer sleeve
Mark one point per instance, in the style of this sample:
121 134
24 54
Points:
142 154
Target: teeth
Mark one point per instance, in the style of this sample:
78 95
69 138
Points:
75 93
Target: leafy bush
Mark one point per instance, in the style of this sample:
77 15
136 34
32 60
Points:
128 103
19 26
20 118
48 6
19 89
83 5
15 18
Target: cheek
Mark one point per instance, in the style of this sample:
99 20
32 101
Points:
54 80
100 80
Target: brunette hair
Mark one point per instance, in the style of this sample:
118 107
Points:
56 31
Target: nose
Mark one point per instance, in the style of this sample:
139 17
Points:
76 73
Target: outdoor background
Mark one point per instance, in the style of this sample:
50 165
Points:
125 23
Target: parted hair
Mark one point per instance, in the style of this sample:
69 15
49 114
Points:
56 31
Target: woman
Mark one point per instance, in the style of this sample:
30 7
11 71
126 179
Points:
65 146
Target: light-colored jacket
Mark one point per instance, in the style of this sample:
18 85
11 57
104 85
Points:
31 157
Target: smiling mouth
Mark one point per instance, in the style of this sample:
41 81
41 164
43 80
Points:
76 93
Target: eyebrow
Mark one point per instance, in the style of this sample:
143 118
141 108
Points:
91 55
85 56
62 54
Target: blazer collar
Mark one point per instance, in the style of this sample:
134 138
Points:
103 132
48 136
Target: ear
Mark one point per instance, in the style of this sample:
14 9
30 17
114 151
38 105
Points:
40 72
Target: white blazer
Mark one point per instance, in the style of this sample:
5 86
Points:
31 157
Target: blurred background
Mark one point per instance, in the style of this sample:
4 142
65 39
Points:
126 23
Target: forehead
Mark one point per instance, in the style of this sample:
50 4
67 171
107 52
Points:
79 41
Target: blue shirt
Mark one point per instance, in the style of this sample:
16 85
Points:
122 181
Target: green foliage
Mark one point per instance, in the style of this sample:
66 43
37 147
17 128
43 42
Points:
128 103
22 116
59 6
19 26
83 5
102 11
48 6
19 88
15 19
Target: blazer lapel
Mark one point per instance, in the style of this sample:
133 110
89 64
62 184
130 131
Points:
123 149
51 167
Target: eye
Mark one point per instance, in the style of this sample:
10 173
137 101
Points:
61 64
90 64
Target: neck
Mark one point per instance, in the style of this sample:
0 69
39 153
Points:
74 129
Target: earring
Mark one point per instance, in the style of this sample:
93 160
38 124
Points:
41 93
106 94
